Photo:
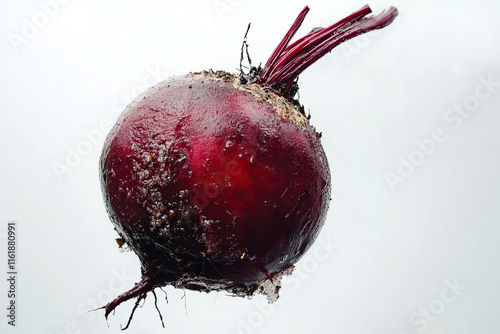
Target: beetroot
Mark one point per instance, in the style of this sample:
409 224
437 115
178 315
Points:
217 181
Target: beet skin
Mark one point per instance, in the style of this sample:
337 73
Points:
212 187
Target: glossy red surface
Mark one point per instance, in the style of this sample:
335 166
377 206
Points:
210 187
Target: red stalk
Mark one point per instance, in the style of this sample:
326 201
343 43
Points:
288 61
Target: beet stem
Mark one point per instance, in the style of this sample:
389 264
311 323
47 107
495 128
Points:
284 42
288 61
244 47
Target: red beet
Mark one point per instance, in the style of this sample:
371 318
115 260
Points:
217 181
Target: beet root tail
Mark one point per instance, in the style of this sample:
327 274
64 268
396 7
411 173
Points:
139 290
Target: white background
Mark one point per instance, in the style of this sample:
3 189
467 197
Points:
387 254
